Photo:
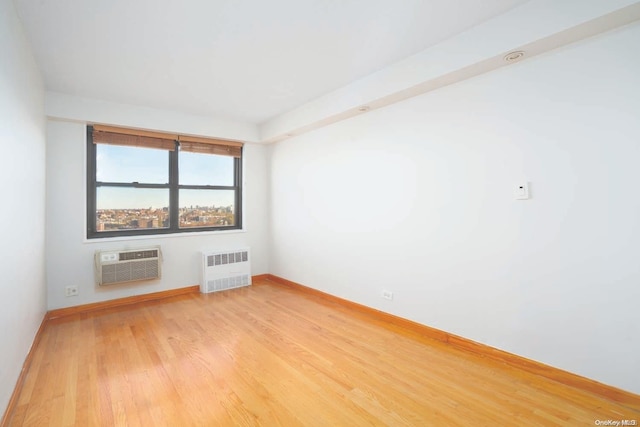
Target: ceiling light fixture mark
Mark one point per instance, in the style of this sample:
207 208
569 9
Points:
514 56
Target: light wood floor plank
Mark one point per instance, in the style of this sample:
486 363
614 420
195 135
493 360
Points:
268 355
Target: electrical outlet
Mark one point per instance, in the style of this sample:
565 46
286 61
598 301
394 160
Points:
71 291
387 295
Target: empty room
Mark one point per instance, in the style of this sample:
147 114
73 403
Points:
320 213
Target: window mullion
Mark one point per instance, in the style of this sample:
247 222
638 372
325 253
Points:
237 180
206 187
91 183
129 185
174 200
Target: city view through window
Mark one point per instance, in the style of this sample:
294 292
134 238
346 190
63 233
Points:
144 203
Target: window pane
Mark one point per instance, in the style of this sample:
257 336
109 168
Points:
207 208
205 169
116 163
131 208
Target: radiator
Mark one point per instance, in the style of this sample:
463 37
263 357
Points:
124 266
226 269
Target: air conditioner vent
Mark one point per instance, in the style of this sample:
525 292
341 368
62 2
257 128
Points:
126 256
114 267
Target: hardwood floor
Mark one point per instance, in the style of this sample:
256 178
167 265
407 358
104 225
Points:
268 355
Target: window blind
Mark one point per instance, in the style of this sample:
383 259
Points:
165 141
210 146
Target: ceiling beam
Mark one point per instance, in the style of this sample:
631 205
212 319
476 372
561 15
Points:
535 27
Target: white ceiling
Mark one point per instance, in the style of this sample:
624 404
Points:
247 60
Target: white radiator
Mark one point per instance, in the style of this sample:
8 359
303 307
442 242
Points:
226 269
128 265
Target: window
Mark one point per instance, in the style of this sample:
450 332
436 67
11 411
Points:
141 183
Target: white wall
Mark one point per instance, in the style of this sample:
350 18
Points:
22 169
75 108
416 198
70 255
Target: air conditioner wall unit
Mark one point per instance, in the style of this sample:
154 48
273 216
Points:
225 269
113 267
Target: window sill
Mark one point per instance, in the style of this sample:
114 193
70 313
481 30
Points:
162 236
